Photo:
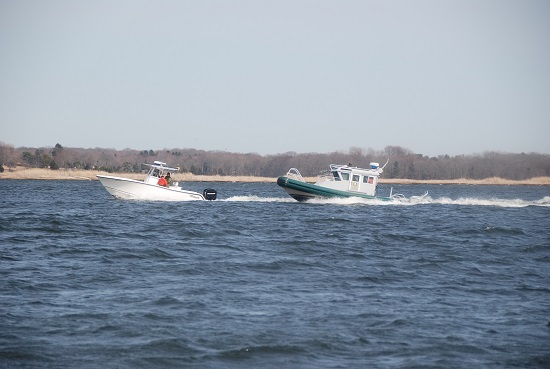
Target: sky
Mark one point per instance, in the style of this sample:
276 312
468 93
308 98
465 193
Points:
433 76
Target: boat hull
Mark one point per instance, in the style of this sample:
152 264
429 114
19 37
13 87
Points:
130 189
303 191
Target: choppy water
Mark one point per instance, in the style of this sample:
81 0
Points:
258 280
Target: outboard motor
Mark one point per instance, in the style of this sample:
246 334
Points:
209 194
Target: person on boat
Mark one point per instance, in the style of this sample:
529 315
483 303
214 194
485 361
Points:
162 182
168 179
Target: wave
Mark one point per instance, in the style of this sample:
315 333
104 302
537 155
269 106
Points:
254 198
414 200
507 203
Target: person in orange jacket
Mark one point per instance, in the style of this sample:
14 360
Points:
162 182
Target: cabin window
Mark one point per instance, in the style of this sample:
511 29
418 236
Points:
371 180
345 176
336 176
355 178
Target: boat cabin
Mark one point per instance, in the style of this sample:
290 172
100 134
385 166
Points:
157 170
354 179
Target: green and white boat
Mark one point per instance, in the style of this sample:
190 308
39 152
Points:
339 181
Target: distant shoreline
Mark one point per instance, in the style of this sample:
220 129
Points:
69 174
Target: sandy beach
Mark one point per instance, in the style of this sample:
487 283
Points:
69 174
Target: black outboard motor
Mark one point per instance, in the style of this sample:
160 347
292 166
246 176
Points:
209 194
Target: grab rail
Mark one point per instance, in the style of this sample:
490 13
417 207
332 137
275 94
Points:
295 174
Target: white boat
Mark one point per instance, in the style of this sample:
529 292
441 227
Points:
339 181
149 189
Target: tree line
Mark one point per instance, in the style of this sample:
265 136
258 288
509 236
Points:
402 162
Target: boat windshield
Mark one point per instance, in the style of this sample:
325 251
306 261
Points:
336 176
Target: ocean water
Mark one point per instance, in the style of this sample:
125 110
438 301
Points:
255 279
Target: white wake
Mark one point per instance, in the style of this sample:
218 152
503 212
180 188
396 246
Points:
414 200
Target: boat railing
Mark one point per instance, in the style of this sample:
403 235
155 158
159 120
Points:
334 167
396 196
294 173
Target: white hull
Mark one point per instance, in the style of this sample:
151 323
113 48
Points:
130 189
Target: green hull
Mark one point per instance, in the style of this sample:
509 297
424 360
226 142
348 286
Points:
303 191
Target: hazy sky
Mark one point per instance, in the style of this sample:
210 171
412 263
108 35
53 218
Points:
434 76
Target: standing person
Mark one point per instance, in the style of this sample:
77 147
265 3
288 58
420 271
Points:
162 182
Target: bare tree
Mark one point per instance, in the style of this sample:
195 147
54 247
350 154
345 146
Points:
403 163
